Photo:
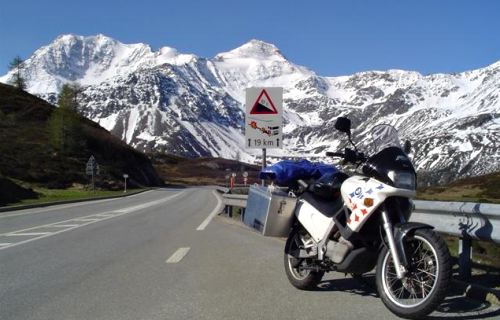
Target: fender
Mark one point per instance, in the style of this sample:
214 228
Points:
401 230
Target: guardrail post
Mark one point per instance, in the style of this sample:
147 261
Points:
464 257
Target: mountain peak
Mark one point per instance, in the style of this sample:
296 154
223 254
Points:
253 49
73 38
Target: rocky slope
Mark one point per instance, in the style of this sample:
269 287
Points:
192 106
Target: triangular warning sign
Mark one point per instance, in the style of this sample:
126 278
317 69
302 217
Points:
263 104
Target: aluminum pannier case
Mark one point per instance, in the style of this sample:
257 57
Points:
269 211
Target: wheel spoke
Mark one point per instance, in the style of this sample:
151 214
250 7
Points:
427 272
421 279
399 292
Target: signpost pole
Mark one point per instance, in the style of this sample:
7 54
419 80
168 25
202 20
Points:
264 162
93 186
125 176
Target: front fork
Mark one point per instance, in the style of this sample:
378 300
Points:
400 269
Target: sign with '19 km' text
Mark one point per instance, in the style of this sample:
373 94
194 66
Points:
264 118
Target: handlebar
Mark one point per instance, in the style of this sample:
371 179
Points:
334 154
352 156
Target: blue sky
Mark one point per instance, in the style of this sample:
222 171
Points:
329 37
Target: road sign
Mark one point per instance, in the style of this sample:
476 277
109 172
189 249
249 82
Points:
245 174
125 175
263 104
264 118
233 174
89 169
92 167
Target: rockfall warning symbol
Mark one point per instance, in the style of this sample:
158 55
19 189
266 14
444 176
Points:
264 118
263 104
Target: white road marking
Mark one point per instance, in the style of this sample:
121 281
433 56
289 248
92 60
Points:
216 210
89 219
70 223
146 205
103 215
4 244
26 234
65 225
178 255
58 206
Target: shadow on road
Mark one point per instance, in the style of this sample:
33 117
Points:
364 286
463 308
455 306
170 187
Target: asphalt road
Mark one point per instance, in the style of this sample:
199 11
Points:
158 255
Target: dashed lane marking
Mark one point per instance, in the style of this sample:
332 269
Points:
178 255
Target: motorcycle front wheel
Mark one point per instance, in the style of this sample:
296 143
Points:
297 271
426 282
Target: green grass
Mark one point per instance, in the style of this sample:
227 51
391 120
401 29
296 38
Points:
484 189
56 195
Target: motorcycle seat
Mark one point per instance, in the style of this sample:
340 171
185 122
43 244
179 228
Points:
326 207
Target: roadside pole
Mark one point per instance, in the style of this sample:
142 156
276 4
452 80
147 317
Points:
125 176
233 177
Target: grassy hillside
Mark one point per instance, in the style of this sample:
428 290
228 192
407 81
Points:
481 189
27 155
201 171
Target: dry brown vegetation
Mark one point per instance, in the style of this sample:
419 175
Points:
201 171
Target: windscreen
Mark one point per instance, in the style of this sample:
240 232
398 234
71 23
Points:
384 136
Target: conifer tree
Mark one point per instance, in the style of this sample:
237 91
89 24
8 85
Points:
17 65
64 124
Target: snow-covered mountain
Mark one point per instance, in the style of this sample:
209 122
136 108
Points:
193 106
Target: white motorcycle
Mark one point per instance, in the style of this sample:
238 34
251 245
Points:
353 224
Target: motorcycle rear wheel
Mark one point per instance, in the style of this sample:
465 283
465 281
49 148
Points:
299 276
426 283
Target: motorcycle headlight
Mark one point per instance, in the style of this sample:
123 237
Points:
403 179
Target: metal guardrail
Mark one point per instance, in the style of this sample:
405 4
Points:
235 200
465 220
479 221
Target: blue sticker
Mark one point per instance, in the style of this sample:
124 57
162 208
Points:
351 195
370 191
380 187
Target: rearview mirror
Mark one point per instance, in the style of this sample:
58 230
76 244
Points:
407 147
343 125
